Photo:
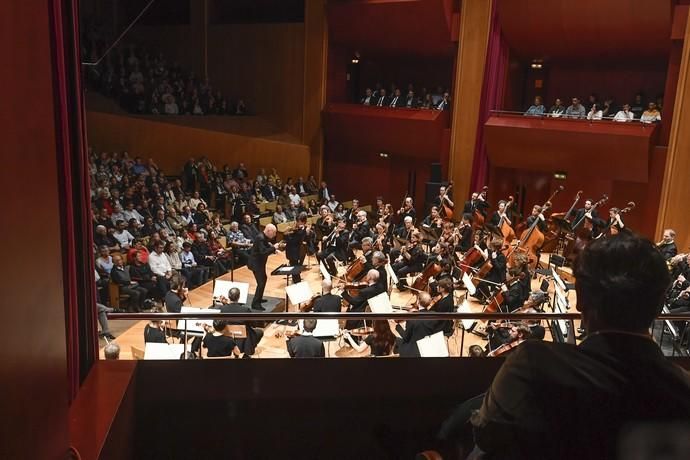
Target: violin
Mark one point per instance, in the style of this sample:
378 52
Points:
504 349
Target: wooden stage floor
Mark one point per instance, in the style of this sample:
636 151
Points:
131 333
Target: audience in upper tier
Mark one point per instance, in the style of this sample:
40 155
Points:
147 83
410 99
594 110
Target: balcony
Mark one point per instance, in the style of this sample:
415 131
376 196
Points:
407 132
599 148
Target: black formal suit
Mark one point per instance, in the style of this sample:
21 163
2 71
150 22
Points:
383 278
414 330
411 102
359 303
248 345
322 193
268 193
336 245
137 294
383 101
258 256
293 249
445 305
552 400
466 240
497 274
328 303
669 250
305 346
368 100
362 231
173 302
249 231
479 205
396 101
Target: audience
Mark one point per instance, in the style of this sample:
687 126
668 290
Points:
600 111
410 99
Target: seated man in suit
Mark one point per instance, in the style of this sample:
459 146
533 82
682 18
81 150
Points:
334 246
232 305
359 302
444 305
414 330
360 230
327 302
306 345
120 276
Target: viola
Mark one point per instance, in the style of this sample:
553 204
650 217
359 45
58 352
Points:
504 349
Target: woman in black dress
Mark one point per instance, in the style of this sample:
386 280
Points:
218 341
381 341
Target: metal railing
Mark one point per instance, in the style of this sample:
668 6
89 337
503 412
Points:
563 116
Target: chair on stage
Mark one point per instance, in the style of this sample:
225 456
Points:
137 353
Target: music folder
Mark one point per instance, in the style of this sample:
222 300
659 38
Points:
194 325
164 351
324 272
464 307
299 292
324 327
222 287
469 285
433 346
381 303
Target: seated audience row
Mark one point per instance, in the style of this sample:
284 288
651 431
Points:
379 97
598 111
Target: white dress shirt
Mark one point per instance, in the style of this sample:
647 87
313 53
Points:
159 263
622 115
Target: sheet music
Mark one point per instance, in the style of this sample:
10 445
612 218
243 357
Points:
222 287
559 281
467 281
324 272
164 351
433 346
285 270
324 327
464 307
381 303
299 292
561 306
391 274
193 324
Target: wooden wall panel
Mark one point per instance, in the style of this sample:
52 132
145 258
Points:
264 64
315 69
171 145
475 17
676 187
33 382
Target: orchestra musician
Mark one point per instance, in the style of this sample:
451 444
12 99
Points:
381 341
219 341
667 246
497 274
176 295
537 214
414 329
359 302
518 291
304 344
380 208
294 238
368 254
444 305
360 230
381 240
410 260
231 305
334 246
466 233
502 335
587 212
433 223
407 211
352 214
258 256
443 197
499 214
403 233
379 261
476 203
327 302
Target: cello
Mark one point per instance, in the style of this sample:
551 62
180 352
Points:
422 282
532 239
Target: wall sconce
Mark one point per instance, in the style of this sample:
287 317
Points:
383 154
559 175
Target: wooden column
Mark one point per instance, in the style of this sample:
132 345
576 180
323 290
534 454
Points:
315 66
673 211
475 19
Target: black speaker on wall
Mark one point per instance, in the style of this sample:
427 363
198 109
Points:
435 175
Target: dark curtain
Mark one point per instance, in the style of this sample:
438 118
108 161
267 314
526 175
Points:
77 252
497 53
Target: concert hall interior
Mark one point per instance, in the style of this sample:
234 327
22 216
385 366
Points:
429 229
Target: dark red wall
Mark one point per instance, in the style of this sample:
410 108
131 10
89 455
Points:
33 355
421 72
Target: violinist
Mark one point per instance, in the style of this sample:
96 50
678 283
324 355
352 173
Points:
407 210
380 208
476 203
294 238
447 272
667 246
414 330
381 341
497 274
410 260
368 254
352 214
387 215
360 230
334 246
381 240
433 223
403 233
517 291
231 304
537 214
325 222
503 335
443 198
466 234
379 261
327 302
175 297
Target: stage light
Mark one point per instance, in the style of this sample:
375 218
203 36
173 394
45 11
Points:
383 154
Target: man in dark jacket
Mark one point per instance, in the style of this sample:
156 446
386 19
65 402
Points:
258 256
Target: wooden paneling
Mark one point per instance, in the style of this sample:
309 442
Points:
264 64
171 145
475 16
315 68
676 187
34 363
586 28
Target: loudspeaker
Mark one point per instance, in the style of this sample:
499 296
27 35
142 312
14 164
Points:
435 175
430 193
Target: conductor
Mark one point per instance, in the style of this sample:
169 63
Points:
258 256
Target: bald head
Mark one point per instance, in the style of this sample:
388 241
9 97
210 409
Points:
270 231
424 299
373 276
326 286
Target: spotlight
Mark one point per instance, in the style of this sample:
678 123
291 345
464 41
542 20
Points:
560 175
383 154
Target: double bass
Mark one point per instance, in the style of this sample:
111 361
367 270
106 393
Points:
444 208
559 223
532 239
611 229
506 230
581 233
478 218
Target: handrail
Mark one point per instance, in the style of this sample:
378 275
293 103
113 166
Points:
366 316
563 116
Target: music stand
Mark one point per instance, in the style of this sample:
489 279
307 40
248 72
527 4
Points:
288 271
